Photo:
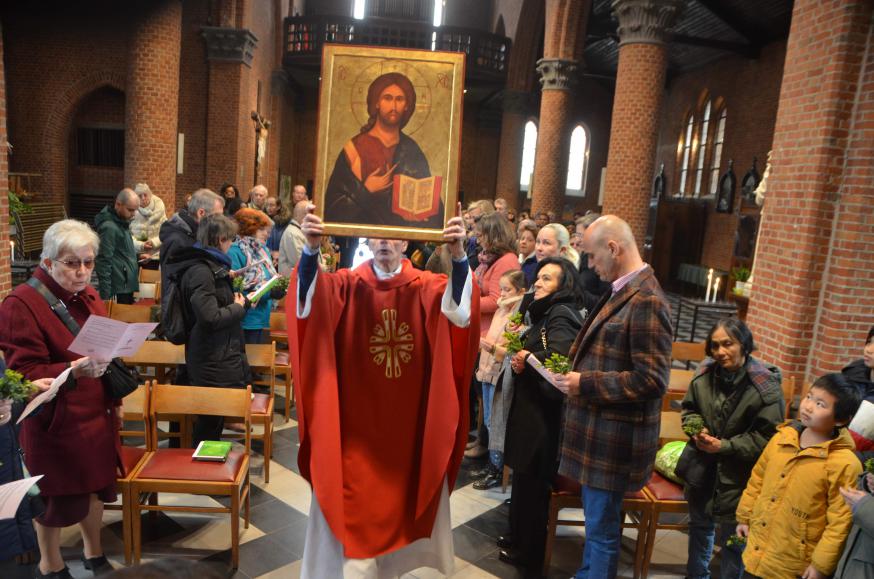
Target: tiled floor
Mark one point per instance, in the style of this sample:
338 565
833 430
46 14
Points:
273 544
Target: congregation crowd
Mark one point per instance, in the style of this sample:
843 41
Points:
778 497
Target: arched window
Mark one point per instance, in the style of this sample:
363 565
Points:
358 9
529 147
578 162
702 149
685 150
717 152
438 12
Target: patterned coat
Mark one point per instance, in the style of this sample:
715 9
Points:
623 354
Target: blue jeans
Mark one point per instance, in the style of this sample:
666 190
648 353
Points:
602 510
496 457
702 532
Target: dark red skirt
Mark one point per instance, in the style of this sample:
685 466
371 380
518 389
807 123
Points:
68 510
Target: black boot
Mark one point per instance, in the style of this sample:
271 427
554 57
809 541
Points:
491 480
97 565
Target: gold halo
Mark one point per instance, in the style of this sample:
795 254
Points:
358 94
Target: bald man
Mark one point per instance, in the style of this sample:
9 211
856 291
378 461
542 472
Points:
621 365
116 263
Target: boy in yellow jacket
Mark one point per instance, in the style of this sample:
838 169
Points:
792 512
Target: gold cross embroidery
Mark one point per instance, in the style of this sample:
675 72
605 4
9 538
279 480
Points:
391 343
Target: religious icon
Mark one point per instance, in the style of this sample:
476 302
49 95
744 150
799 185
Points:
388 142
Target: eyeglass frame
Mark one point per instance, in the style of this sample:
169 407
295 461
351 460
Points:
88 263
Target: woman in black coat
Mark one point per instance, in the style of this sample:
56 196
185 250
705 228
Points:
215 353
861 372
553 321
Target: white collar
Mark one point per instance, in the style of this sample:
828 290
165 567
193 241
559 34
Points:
384 275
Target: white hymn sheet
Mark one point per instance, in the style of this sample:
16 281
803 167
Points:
541 369
104 339
45 396
11 495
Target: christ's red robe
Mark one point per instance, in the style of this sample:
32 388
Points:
381 380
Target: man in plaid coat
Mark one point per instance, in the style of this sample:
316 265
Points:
621 362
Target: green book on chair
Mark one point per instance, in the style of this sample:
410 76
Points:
212 450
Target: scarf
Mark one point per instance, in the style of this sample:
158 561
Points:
216 254
254 251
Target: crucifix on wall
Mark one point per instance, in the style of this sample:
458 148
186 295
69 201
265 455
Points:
262 127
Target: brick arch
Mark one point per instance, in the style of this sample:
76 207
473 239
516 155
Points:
57 129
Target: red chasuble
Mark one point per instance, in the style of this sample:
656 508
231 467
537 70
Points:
381 380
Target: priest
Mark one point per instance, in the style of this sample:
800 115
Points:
381 357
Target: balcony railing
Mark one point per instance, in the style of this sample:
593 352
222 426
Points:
487 54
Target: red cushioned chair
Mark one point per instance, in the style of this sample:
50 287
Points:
279 333
136 409
172 470
566 494
667 497
262 358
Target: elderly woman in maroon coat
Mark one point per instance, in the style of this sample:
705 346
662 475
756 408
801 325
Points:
73 439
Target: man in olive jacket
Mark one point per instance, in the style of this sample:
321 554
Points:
621 366
116 264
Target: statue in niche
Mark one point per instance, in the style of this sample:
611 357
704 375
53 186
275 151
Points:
763 185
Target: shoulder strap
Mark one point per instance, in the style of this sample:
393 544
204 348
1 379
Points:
55 304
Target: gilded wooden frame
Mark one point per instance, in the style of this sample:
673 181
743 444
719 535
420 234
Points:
348 74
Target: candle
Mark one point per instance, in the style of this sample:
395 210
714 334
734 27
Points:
715 288
709 282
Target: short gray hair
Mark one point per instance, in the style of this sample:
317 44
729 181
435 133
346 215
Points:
588 219
69 235
213 229
204 199
141 188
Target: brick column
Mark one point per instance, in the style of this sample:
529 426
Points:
515 113
152 101
5 271
811 305
558 69
558 77
640 81
229 128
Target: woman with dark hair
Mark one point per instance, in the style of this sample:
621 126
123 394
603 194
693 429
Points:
861 371
250 254
551 322
740 402
231 195
494 235
215 353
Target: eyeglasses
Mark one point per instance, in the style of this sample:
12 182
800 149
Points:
76 264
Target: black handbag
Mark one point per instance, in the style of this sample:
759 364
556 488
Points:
696 467
119 379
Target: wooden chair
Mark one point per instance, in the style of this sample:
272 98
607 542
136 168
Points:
262 358
172 470
665 497
688 352
149 275
566 494
279 334
30 227
136 409
678 385
130 313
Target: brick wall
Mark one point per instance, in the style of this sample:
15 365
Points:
5 273
639 86
153 100
750 90
811 302
479 155
52 63
193 88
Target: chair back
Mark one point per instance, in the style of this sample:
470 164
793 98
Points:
277 321
130 313
149 275
688 351
136 408
263 357
788 393
201 400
